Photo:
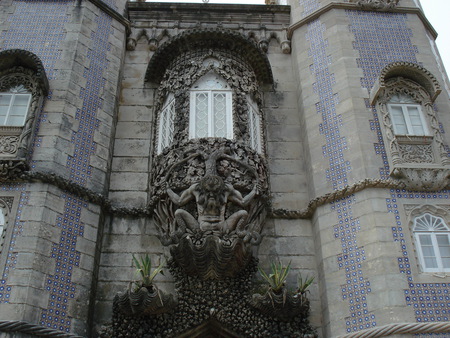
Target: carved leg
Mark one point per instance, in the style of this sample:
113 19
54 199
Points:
185 220
236 221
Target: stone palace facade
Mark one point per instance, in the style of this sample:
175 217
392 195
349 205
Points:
286 165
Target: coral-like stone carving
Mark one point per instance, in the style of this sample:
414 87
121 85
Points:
428 179
11 169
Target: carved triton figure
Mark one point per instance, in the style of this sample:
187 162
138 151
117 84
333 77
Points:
211 195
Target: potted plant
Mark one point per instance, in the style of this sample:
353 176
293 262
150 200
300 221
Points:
278 300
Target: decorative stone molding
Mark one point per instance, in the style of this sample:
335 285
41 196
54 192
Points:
427 179
32 329
377 4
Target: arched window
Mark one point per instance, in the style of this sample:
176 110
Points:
432 236
407 116
166 123
210 108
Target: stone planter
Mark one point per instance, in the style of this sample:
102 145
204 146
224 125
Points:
284 306
144 301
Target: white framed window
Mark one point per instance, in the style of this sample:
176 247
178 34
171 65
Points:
254 125
14 106
432 236
407 116
211 108
166 123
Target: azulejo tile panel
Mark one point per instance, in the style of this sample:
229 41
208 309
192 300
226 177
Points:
374 33
351 259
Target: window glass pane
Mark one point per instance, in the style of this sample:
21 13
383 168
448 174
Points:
416 121
220 114
398 120
5 99
21 99
428 253
201 115
444 249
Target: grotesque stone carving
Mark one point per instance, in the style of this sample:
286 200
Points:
210 205
211 195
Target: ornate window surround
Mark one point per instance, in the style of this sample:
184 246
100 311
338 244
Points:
428 231
6 203
421 161
416 227
21 68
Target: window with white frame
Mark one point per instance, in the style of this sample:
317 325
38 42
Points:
14 105
407 116
254 125
211 108
432 236
166 123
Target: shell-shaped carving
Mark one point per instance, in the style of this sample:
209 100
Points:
284 306
211 256
144 301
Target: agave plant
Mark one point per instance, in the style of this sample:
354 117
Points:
144 269
277 276
303 284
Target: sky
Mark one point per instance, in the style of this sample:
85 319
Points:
437 12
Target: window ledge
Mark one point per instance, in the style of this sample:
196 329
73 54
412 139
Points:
414 139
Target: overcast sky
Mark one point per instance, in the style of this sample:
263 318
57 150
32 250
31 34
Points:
437 12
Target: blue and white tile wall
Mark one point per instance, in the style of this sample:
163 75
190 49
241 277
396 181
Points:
374 34
351 259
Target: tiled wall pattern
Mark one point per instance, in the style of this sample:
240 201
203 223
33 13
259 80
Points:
18 226
346 230
60 285
38 26
374 33
309 6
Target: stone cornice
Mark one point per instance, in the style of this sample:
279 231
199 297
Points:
353 6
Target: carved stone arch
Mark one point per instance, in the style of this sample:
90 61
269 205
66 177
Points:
418 210
192 40
406 70
23 59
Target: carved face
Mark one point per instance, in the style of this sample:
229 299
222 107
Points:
211 187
